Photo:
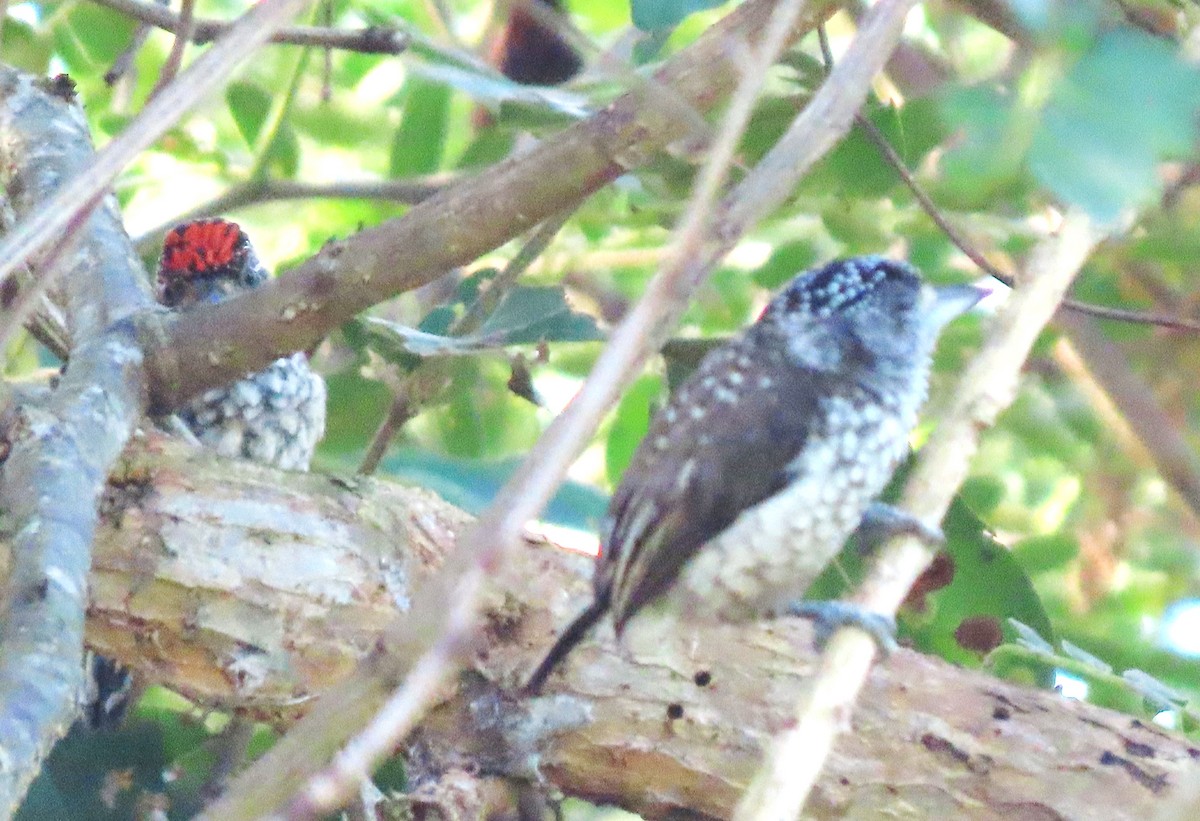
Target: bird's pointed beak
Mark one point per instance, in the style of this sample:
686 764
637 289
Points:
953 300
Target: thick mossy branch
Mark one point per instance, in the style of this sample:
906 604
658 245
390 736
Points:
254 589
241 586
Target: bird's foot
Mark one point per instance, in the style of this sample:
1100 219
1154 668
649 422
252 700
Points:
882 521
828 616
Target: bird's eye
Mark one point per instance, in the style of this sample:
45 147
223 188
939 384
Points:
173 292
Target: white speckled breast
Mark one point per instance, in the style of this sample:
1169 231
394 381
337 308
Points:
773 551
275 416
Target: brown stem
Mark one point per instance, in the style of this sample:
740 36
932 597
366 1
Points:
187 20
371 40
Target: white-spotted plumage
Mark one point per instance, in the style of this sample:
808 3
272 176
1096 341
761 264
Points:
275 416
764 461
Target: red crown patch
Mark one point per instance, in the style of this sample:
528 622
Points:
202 247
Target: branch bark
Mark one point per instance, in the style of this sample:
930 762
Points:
64 441
1160 435
63 445
208 346
255 590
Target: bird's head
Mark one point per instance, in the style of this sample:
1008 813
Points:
206 261
868 308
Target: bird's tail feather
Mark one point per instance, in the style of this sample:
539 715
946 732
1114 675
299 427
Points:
566 642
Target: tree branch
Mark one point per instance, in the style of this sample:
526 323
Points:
1159 434
486 543
987 387
63 444
373 40
210 345
409 191
214 578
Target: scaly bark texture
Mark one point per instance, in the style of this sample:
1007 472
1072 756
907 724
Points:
248 588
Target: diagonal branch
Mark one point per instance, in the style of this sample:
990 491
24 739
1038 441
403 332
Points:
986 388
353 703
1173 456
213 344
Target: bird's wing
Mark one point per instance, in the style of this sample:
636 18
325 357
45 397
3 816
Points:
721 446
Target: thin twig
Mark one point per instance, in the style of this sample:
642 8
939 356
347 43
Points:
503 282
1160 435
187 20
986 388
124 62
53 265
252 192
499 529
421 384
327 54
273 128
399 412
229 747
373 40
893 158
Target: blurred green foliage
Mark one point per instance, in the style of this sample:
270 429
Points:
1064 523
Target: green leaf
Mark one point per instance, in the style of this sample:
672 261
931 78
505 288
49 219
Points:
856 166
421 137
528 315
1127 104
630 424
82 771
26 47
970 592
785 263
489 146
986 164
683 355
356 406
482 418
1039 554
91 35
652 15
770 120
284 152
249 105
393 340
988 583
493 90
